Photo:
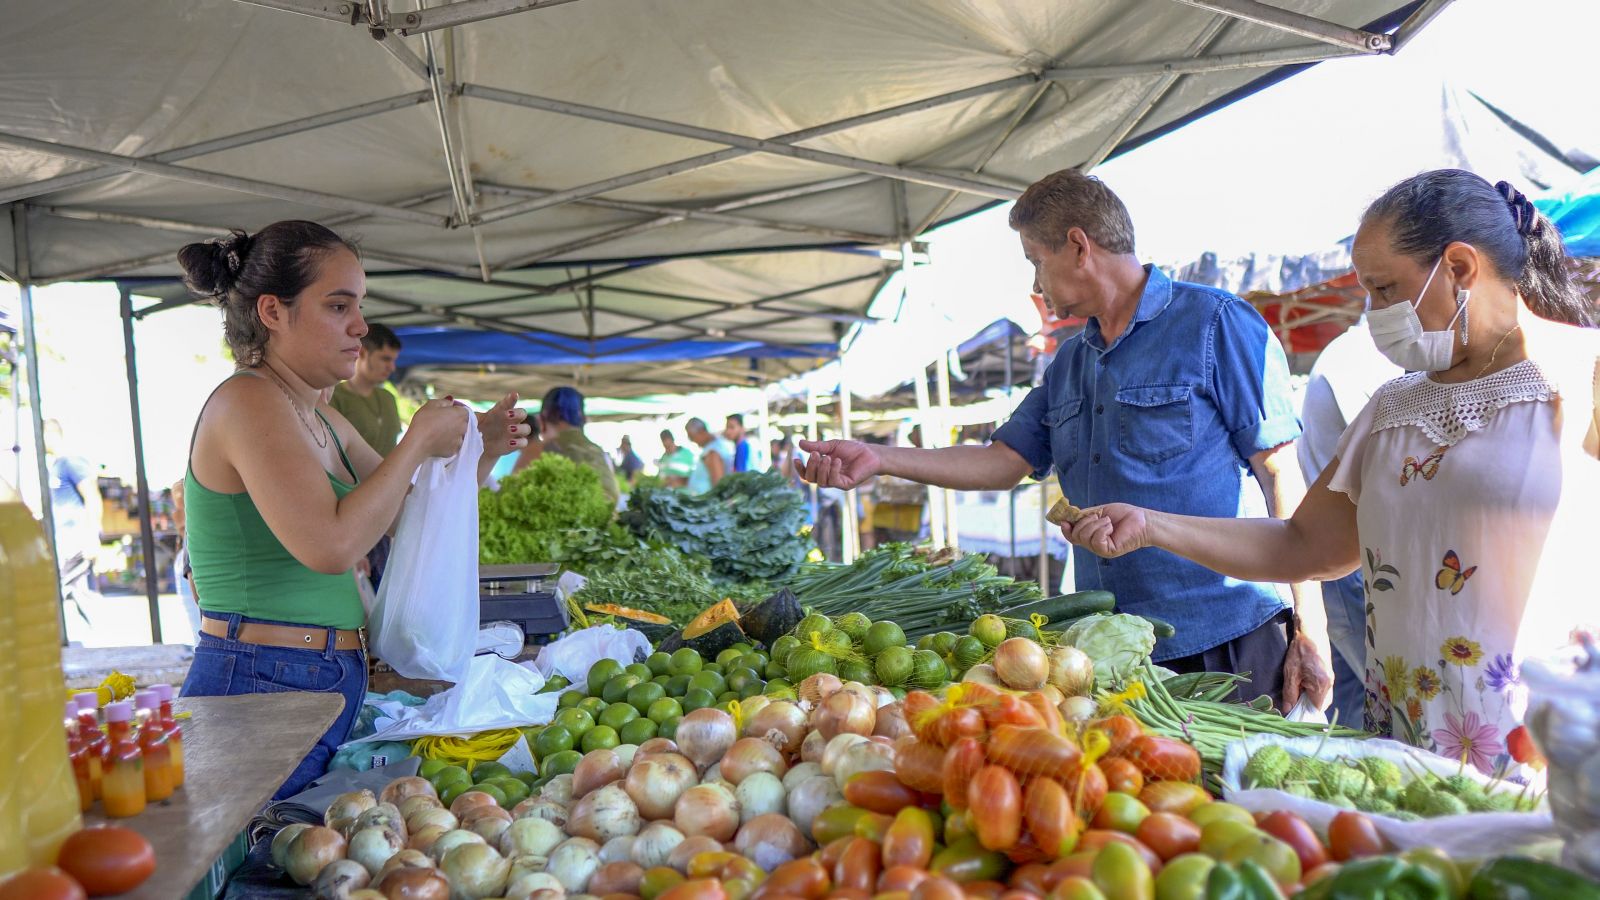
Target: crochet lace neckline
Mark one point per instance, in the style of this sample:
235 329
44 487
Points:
1446 413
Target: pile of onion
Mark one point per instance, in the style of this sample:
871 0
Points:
1021 664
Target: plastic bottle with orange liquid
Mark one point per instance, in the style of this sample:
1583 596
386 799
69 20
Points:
122 788
174 731
153 743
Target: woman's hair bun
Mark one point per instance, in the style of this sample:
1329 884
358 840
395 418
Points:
211 268
1523 212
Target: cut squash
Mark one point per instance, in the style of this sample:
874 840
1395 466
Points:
628 612
1063 512
710 620
709 633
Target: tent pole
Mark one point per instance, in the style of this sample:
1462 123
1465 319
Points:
850 525
942 372
1044 538
147 531
1296 23
30 343
811 435
925 421
1011 495
766 426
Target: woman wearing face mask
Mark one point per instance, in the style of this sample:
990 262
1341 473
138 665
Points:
1465 492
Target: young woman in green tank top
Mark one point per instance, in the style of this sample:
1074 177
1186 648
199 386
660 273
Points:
282 496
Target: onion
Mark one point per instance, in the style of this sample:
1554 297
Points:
835 750
626 754
604 814
469 800
811 748
748 756
312 850
714 776
413 805
655 843
574 863
818 688
705 735
541 808
475 871
281 841
689 849
415 884
400 790
881 697
530 885
384 815
749 706
781 724
799 773
618 849
866 756
348 806
1078 709
984 674
490 827
365 893
530 837
405 859
616 878
479 813
451 840
1021 664
423 838
437 815
759 794
1053 694
1071 671
892 722
596 770
770 841
657 781
655 745
525 864
709 810
558 789
810 798
860 690
339 878
372 847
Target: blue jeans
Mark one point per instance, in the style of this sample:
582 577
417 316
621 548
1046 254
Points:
1345 601
224 667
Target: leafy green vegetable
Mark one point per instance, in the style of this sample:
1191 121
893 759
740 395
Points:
1118 643
748 526
531 515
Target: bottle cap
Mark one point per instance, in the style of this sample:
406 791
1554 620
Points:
121 711
163 692
88 701
146 700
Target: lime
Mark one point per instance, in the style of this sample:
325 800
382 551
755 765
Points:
754 688
638 731
756 660
493 791
698 698
531 733
898 692
664 709
881 636
555 683
575 721
639 669
662 680
726 696
616 690
967 652
514 790
451 775
659 663
783 692
711 681
778 684
854 624
685 661
640 696
856 670
744 647
669 728
617 715
943 642
726 657
594 706
486 770
814 622
925 642
739 679
718 668
782 647
453 790
990 629
528 778
553 740
775 670
431 767
928 670
678 685
560 764
570 699
893 665
602 672
808 661
602 737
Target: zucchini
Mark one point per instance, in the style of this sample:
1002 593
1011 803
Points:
1163 628
1064 607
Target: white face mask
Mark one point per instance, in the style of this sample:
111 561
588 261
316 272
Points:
1398 333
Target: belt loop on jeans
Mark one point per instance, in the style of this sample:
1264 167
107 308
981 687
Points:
233 620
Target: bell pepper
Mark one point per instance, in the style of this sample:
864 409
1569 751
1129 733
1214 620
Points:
1382 878
1519 878
1244 881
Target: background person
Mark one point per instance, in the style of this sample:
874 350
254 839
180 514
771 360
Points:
676 463
628 462
76 505
733 430
1175 393
715 459
363 400
560 425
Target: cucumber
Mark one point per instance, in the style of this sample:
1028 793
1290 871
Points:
1066 606
1163 629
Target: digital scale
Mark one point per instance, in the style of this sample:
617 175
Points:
526 594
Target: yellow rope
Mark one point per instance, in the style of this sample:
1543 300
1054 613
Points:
485 746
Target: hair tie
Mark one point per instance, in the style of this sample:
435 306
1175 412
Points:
1523 213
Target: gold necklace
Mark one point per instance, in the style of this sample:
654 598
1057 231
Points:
320 436
1496 351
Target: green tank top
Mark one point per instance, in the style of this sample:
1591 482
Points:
241 567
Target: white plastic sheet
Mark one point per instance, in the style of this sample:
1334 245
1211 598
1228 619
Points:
494 694
574 655
425 624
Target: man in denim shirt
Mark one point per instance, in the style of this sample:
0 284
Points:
1174 396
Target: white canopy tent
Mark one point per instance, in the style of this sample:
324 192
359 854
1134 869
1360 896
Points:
552 169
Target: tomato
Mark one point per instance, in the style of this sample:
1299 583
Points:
1352 835
955 724
936 887
44 883
1121 730
830 853
961 763
879 791
1211 812
1168 834
1164 759
967 862
698 889
1098 839
1047 811
107 859
1031 878
1121 874
1122 776
1019 894
709 864
1049 713
858 866
873 826
922 714
1087 788
1079 865
1184 878
1033 751
1266 851
799 877
835 822
1077 887
1217 836
1120 812
919 765
1179 797
995 799
1009 709
1294 831
909 840
956 827
902 878
984 890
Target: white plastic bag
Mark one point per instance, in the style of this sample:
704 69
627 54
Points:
494 693
425 623
574 655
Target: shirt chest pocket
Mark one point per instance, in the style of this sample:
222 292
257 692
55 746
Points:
1155 421
1064 423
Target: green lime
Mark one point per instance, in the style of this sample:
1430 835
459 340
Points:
528 778
778 684
678 685
639 669
756 660
616 690
856 670
452 777
554 683
570 699
560 764
815 622
854 624
602 672
967 652
431 767
726 657
602 737
754 688
698 698
718 668
453 790
662 680
685 661
617 715
775 670
553 740
990 629
725 696
669 729
739 679
928 670
575 721
711 681
881 636
486 770
514 789
640 696
807 661
638 731
782 647
664 709
893 665
943 642
594 706
487 788
531 733
659 663
898 692
785 692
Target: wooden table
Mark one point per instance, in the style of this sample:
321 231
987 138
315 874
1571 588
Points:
236 752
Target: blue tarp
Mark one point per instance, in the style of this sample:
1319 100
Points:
463 347
1576 211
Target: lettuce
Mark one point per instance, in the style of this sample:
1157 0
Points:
1117 643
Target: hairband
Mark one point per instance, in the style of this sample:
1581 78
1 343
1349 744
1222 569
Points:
1523 213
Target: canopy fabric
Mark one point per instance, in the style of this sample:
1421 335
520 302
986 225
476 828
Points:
514 162
1576 211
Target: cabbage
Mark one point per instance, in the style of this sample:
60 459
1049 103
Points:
1117 643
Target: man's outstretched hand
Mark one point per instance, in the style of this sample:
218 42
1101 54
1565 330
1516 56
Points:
839 464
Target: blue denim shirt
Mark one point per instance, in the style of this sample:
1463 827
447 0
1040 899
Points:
1166 417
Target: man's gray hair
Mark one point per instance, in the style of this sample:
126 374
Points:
695 424
1068 199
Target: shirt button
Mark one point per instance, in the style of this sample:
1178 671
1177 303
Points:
1099 409
1096 458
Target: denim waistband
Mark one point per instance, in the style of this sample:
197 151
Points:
234 620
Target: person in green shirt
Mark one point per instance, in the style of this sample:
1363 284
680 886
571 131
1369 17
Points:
363 399
561 422
676 464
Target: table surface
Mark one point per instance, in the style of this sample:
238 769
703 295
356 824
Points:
236 752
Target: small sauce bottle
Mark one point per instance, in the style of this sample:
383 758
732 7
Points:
93 738
78 755
153 743
174 731
122 788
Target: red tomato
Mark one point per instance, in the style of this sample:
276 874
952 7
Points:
1122 776
937 887
1047 811
1077 887
1087 788
902 878
961 763
995 799
990 890
800 878
1164 759
1009 709
879 791
1294 831
699 889
1121 730
1352 835
1048 712
1168 834
958 723
858 866
1095 838
47 883
108 859
1031 878
919 765
1179 797
1078 865
922 712
830 854
1033 751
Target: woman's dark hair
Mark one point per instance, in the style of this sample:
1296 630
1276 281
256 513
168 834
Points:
1427 212
564 404
281 259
